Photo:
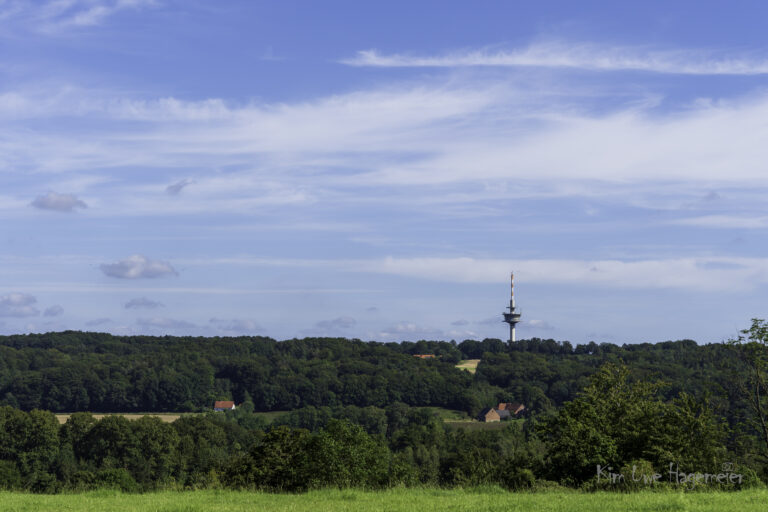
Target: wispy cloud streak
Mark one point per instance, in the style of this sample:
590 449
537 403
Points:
577 56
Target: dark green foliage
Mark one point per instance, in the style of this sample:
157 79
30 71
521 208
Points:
75 371
357 414
615 421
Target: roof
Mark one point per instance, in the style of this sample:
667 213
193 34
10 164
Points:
223 404
424 356
512 407
504 413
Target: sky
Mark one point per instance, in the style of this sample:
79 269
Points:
375 170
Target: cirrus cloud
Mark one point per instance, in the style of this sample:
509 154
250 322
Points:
557 54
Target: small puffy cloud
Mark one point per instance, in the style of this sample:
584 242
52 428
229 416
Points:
336 327
98 321
411 331
18 305
138 266
541 325
343 322
459 323
67 203
177 187
143 302
493 320
54 311
372 309
238 325
164 323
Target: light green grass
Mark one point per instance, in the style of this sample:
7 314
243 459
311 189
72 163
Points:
167 417
423 500
468 364
449 414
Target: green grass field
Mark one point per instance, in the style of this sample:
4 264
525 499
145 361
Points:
167 417
393 500
468 364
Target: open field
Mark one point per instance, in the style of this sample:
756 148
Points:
468 364
166 417
470 424
490 499
169 417
460 419
449 416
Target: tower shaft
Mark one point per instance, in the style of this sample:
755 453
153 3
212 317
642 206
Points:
513 317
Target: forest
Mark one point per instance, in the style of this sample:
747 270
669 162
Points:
362 413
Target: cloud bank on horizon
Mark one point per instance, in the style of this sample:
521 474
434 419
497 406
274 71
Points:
331 189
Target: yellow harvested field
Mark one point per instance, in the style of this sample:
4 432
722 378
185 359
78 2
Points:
166 417
468 364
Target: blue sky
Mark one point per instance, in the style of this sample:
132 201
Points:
376 170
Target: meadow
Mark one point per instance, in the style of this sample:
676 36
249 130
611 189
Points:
484 499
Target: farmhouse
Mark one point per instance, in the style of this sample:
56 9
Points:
488 415
223 405
424 356
504 411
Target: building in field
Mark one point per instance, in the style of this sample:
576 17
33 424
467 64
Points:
488 415
223 405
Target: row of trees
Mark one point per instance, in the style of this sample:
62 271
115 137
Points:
616 422
75 371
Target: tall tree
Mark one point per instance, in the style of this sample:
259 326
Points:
752 347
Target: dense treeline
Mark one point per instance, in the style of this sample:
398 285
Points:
236 450
76 371
614 421
357 411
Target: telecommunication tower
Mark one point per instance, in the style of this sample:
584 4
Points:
513 317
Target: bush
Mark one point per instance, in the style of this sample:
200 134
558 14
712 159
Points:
117 478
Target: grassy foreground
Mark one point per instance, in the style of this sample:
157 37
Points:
392 500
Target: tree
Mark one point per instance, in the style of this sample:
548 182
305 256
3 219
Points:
752 348
616 421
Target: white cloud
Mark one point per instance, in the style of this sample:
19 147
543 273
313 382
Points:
98 321
18 305
486 132
164 323
142 302
342 322
597 57
724 222
138 266
705 273
58 202
688 273
541 325
55 310
54 16
410 331
236 325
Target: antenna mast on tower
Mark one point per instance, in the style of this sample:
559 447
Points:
512 318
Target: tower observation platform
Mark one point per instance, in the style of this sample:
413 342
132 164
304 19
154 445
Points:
513 317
